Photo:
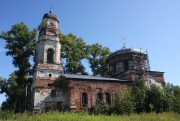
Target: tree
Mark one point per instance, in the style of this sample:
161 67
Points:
176 91
155 99
20 45
72 52
139 94
101 108
176 104
12 91
168 97
124 102
97 59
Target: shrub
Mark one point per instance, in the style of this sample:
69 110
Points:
124 102
101 108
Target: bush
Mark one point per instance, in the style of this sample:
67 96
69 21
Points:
101 108
4 115
124 102
139 95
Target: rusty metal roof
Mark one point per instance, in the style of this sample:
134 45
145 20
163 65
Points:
86 77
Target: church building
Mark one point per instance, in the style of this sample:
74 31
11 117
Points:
54 90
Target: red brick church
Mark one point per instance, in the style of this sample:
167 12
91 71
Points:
54 90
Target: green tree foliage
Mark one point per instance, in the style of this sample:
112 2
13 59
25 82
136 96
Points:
142 99
72 52
139 94
155 99
168 97
97 59
124 102
101 108
12 91
20 45
176 101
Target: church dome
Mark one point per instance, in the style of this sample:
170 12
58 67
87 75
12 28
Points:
50 15
125 50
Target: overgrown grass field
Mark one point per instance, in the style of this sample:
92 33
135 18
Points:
68 116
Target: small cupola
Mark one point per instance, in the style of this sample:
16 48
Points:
51 16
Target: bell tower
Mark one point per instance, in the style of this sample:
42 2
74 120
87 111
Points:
48 48
48 66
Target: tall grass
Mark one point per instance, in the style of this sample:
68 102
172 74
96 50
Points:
69 116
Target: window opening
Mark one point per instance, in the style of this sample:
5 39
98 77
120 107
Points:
119 68
84 99
50 85
50 54
131 65
50 75
108 98
99 97
126 66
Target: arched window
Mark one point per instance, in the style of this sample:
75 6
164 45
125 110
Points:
108 98
50 54
84 99
100 97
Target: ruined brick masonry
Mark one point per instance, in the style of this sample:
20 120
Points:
54 90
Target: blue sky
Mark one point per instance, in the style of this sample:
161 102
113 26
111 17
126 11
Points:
153 25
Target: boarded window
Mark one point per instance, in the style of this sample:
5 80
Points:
50 54
84 100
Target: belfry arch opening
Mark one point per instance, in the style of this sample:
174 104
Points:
50 54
